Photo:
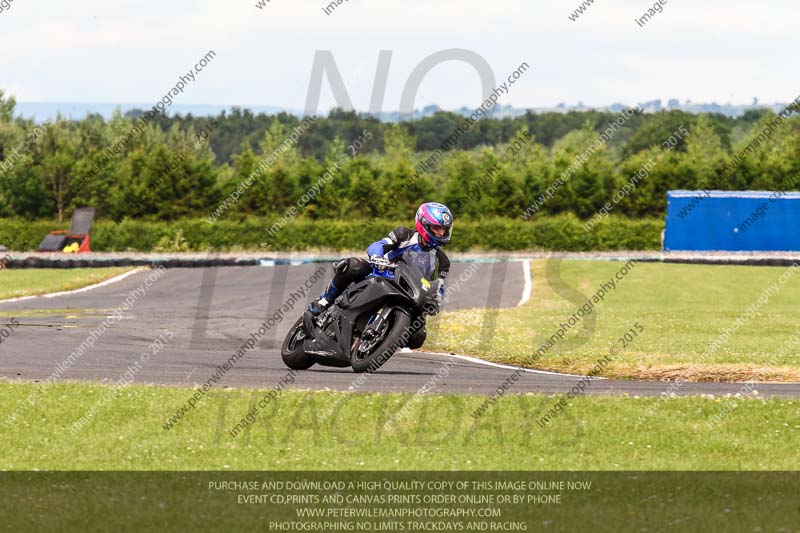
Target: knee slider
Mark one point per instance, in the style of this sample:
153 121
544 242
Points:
341 266
417 339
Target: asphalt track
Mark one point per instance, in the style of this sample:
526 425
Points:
211 312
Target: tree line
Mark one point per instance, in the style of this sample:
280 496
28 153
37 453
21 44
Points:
173 167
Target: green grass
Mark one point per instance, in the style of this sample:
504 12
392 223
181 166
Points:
27 282
683 310
327 430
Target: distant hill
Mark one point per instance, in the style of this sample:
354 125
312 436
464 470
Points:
42 111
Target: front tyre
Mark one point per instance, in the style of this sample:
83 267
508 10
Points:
397 327
292 349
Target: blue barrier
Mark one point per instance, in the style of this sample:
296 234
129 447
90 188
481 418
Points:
732 221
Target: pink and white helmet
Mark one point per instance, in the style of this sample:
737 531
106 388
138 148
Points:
433 218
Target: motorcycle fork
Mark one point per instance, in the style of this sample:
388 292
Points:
377 321
374 326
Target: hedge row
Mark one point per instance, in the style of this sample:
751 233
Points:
557 233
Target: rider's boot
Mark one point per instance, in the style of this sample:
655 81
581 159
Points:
325 299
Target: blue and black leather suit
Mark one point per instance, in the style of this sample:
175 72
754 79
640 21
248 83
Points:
398 242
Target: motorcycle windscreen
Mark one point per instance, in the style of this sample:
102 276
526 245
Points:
425 261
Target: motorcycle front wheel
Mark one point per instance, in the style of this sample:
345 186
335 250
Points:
397 324
292 349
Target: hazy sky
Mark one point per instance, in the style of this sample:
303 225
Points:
106 51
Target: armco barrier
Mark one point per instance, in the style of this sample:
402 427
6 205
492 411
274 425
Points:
732 221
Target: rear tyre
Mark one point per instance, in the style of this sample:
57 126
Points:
292 349
399 323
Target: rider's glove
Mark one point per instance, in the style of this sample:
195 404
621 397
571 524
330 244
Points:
378 261
435 303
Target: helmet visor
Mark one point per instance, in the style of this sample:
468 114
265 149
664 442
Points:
440 232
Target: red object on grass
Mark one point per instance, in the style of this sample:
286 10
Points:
78 232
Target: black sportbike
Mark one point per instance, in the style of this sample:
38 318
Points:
370 320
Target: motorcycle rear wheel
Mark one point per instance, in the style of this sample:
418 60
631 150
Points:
399 324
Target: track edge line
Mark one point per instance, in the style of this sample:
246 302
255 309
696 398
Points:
103 283
476 360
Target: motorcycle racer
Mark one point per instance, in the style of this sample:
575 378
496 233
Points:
433 228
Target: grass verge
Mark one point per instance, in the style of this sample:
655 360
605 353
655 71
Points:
30 282
694 319
346 431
